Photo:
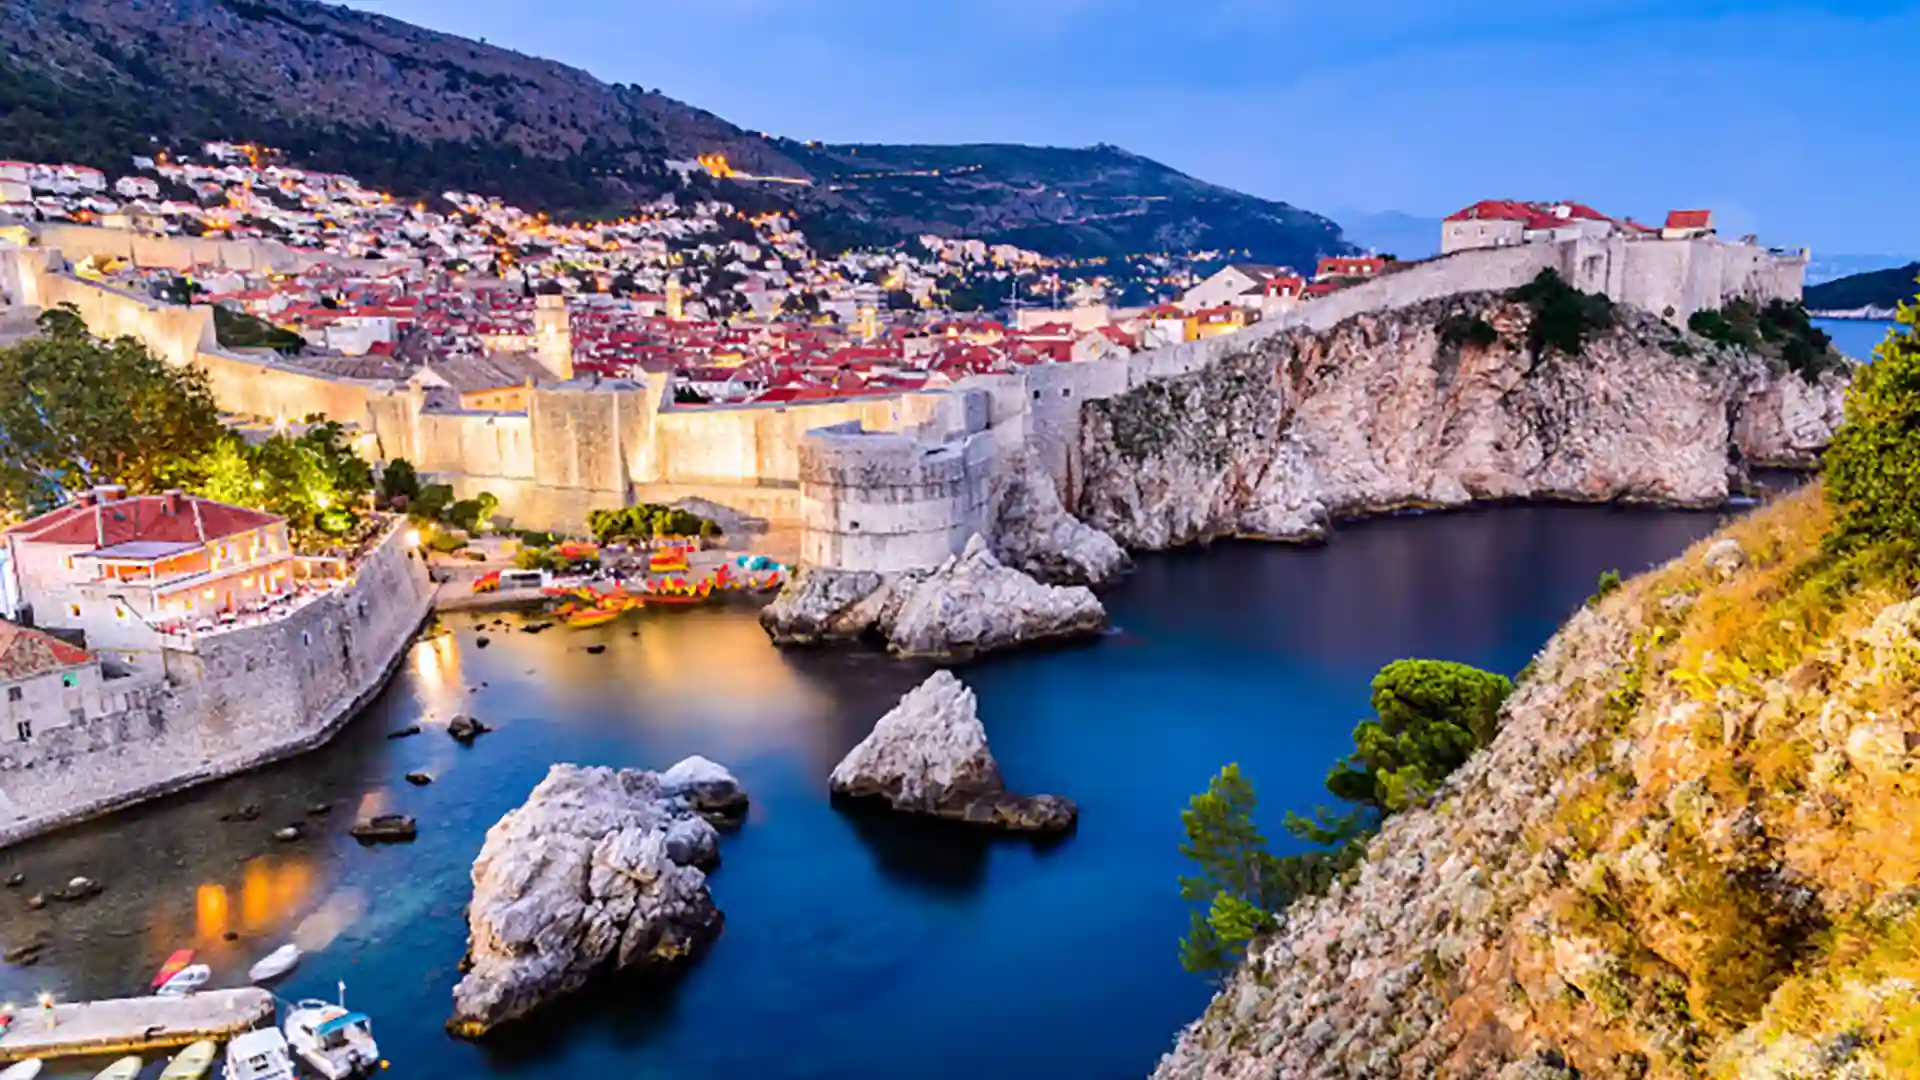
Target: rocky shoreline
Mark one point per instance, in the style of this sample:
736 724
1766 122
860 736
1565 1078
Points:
1385 412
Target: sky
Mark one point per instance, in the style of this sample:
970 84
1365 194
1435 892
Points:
1796 121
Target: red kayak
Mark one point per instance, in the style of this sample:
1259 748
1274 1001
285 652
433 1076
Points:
172 967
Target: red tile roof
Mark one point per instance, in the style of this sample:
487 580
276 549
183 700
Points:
140 517
25 653
1493 209
1689 219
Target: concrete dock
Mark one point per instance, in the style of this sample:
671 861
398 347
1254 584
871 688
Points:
133 1025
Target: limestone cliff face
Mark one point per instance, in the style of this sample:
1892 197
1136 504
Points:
1384 411
1692 851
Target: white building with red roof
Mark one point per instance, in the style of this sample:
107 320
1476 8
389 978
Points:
121 568
44 683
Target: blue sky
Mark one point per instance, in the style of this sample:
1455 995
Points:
1793 120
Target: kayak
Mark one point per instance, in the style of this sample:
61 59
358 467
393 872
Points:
172 967
593 617
186 980
125 1069
25 1070
275 964
191 1063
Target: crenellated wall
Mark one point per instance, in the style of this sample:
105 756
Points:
242 698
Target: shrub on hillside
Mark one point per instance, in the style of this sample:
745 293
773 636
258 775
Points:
1872 468
1431 714
1462 330
1563 316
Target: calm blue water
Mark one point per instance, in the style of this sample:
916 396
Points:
854 947
1855 337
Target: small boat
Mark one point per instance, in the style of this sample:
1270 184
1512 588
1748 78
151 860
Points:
186 981
590 617
22 1070
679 592
275 964
191 1063
168 970
125 1069
258 1055
336 1042
488 582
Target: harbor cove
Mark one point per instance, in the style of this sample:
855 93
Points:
854 941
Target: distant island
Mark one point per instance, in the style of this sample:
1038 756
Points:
1873 295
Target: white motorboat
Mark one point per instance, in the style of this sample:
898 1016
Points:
186 981
258 1055
23 1070
275 964
336 1042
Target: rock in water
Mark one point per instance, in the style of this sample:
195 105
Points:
599 869
969 604
465 728
708 788
929 755
384 828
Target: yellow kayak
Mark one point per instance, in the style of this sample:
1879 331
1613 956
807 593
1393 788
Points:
191 1063
593 617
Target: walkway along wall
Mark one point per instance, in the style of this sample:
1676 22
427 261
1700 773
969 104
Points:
241 699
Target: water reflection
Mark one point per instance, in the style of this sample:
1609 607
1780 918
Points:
937 856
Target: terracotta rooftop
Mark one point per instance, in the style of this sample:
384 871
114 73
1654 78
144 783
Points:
106 517
25 653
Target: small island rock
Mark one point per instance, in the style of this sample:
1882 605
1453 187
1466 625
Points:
599 869
929 755
465 728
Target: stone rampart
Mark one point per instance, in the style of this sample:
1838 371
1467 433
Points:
890 501
240 699
80 242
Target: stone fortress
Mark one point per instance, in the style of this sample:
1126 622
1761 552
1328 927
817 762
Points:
875 483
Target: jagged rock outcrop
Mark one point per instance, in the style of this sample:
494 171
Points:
1033 533
1389 410
600 869
969 604
929 755
1690 852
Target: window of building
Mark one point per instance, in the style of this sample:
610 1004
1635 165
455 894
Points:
78 716
24 729
14 693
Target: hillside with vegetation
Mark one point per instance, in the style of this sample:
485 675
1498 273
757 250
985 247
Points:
1878 290
1098 201
419 112
1686 844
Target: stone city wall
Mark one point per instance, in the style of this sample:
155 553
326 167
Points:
241 699
79 242
891 501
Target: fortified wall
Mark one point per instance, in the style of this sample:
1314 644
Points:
240 699
81 242
588 444
887 501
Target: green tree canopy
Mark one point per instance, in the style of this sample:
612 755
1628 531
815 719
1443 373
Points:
76 411
315 481
1872 467
1430 715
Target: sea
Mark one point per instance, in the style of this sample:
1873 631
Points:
1856 337
856 946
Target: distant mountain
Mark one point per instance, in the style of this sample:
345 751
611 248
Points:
1391 232
1094 201
1825 268
419 112
1876 289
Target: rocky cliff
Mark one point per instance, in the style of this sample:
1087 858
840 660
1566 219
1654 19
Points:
1693 850
1434 405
